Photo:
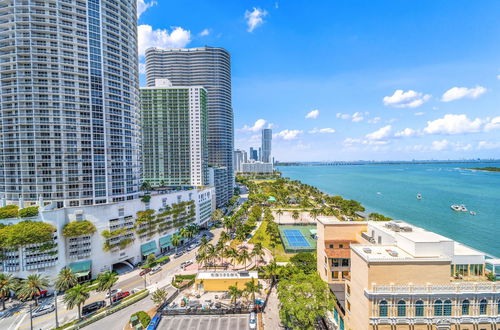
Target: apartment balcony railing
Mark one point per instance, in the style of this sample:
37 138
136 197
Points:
457 288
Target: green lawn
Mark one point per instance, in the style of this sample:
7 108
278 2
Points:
278 251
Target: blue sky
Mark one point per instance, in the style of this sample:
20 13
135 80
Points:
349 80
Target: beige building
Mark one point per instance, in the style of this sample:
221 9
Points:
399 276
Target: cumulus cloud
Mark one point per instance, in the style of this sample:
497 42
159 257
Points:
142 6
488 145
407 132
142 68
255 18
498 77
322 130
351 141
312 114
409 99
374 120
257 126
440 145
357 117
380 134
161 38
444 144
457 93
344 116
492 124
419 113
288 134
453 124
204 33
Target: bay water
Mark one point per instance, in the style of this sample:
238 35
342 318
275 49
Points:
391 189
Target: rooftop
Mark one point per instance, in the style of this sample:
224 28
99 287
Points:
411 232
227 275
389 253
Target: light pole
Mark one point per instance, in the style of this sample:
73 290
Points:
31 316
144 277
55 304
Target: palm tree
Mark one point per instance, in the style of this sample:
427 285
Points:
159 296
176 240
271 270
203 244
217 215
65 279
201 258
279 212
257 251
212 254
7 283
231 254
234 293
76 296
224 237
295 215
243 257
252 288
31 287
105 282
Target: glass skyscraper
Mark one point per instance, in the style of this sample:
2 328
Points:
209 67
267 136
69 102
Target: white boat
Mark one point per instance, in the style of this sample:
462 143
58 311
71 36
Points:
459 208
463 208
419 196
472 213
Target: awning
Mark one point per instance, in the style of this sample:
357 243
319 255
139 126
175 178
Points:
148 248
166 241
313 231
81 268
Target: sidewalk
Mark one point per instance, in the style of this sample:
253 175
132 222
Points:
271 315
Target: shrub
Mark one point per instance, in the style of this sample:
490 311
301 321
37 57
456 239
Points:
31 211
146 198
26 232
79 228
143 317
9 211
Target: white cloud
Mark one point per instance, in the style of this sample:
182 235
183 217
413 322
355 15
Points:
357 117
204 33
407 132
142 6
498 77
380 134
492 124
161 38
344 116
453 124
351 141
322 130
312 114
419 113
288 134
488 145
255 18
257 126
457 93
440 145
142 68
409 99
374 120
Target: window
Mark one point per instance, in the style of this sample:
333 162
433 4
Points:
447 308
483 305
438 308
498 307
382 309
401 308
419 308
331 246
465 307
341 246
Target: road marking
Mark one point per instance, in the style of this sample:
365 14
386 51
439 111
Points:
17 327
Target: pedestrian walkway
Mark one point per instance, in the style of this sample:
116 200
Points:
271 315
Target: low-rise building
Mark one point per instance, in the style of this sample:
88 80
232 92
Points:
221 281
399 276
257 167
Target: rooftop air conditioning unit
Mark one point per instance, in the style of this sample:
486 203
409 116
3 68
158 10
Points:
367 250
393 253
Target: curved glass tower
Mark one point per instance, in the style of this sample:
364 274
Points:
69 101
209 67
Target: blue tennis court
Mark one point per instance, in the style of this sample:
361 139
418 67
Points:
295 238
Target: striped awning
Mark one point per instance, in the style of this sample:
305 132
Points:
148 248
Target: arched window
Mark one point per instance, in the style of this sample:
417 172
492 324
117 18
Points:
483 304
447 307
465 307
419 308
382 309
438 308
401 308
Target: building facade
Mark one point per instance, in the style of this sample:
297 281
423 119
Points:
217 177
257 167
125 233
240 157
399 276
209 67
267 137
69 102
174 135
254 154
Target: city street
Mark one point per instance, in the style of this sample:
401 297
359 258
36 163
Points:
20 318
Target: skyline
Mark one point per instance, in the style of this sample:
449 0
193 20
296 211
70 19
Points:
388 81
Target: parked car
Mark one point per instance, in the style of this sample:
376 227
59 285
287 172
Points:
144 271
120 295
44 309
253 321
43 294
154 322
178 254
186 263
113 292
155 270
191 247
93 307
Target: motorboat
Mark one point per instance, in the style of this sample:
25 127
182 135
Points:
419 196
472 213
463 208
459 208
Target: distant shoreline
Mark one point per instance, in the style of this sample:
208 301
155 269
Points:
343 163
485 169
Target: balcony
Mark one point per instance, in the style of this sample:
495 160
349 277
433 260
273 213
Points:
454 288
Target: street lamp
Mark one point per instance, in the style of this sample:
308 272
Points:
144 277
55 304
31 316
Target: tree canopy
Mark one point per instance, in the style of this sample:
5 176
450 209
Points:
304 262
79 228
26 232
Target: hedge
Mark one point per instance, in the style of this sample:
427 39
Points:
9 211
143 317
79 228
31 211
26 232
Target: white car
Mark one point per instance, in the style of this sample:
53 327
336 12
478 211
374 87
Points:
155 270
42 310
187 263
253 321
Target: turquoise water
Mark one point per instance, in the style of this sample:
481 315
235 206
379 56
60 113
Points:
392 189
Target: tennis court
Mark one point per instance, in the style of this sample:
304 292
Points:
295 238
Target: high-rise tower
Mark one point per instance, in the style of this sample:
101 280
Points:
267 135
209 67
69 101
